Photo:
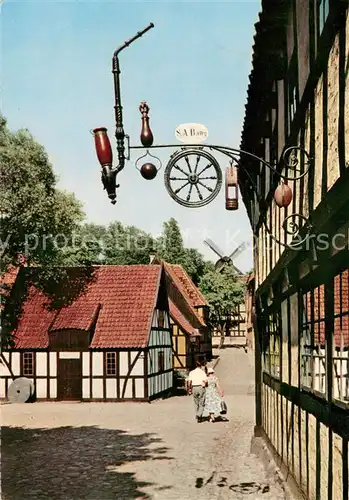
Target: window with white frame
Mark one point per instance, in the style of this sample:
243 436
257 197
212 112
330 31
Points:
341 337
313 353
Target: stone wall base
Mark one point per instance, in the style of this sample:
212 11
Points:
261 447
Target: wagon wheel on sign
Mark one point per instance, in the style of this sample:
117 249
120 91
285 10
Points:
20 390
193 178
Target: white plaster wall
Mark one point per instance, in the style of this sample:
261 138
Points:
139 389
86 364
86 388
16 363
2 388
138 369
123 358
41 388
53 364
97 388
111 388
53 388
3 368
69 355
97 364
41 364
128 392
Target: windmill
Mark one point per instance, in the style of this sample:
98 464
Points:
226 260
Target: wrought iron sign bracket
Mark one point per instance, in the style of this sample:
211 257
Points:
200 183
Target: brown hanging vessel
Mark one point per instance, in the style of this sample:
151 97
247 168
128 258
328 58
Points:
231 188
146 134
103 147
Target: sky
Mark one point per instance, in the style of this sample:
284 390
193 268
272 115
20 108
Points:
193 66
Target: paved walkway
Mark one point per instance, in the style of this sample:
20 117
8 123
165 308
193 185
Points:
62 451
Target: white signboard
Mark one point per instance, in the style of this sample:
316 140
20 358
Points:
191 133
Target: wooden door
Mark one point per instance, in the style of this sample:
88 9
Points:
69 384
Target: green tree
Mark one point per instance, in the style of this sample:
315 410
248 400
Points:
194 264
224 293
126 245
170 247
34 212
85 246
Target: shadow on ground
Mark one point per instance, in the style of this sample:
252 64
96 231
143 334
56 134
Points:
74 463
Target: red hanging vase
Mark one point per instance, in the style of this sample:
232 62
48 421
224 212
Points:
103 147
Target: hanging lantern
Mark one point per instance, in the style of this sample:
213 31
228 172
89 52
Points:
103 147
146 133
148 171
231 188
283 195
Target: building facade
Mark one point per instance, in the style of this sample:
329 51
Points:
299 96
111 341
249 308
235 330
191 337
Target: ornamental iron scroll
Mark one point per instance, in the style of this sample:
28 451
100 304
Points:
193 176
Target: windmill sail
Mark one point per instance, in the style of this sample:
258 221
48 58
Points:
214 247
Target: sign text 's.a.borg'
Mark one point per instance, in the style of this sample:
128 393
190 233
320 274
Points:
191 133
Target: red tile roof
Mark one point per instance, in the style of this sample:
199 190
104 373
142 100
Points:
173 274
127 296
80 315
8 278
341 310
32 329
178 317
193 293
7 281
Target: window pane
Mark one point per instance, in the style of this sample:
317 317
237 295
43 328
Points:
28 364
341 337
111 363
313 353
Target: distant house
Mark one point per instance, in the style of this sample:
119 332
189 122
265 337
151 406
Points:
236 325
112 342
191 336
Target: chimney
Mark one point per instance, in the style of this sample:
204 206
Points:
152 257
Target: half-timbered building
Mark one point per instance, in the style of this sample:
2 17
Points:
191 338
299 96
249 308
111 342
235 331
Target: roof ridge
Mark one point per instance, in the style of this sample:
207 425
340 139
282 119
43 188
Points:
150 322
184 295
193 290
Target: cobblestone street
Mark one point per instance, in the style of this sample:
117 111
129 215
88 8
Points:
126 451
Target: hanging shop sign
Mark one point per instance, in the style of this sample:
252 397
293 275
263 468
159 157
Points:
191 133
